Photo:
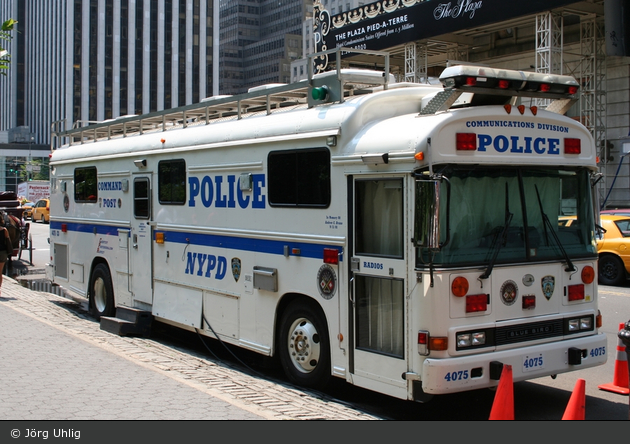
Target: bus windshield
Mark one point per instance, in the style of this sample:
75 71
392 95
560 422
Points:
497 215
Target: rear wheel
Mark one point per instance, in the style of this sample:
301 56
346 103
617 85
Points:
102 292
303 346
611 270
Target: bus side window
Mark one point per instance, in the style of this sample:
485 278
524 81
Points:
172 182
85 185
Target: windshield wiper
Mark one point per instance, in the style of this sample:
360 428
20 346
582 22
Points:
502 236
549 229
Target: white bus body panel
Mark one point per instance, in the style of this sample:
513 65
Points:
229 258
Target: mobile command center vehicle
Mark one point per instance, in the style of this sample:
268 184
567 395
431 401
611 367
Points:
403 237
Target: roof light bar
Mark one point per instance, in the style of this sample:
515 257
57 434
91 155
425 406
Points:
471 77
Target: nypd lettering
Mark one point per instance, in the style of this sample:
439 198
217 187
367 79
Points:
206 265
224 192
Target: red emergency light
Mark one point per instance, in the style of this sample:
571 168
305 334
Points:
466 141
331 256
572 146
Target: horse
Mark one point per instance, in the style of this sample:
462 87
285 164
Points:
15 227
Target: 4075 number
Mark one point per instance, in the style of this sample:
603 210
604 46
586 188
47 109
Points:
598 351
456 376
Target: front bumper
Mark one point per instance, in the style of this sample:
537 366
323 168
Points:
441 376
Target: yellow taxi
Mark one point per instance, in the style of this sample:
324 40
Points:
614 249
28 209
41 211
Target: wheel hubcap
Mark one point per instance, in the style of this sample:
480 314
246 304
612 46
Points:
100 296
304 345
610 270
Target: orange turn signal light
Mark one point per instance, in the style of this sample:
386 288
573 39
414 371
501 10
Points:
438 343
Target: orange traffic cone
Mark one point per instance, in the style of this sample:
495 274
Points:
503 405
620 378
576 407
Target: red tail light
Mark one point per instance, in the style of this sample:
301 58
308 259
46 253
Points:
476 303
471 81
544 87
576 292
573 89
423 337
529 301
504 84
466 141
572 146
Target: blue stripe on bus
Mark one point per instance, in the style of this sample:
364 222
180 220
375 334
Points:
87 228
315 251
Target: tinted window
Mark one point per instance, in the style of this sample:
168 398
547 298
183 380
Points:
85 185
299 178
172 182
141 208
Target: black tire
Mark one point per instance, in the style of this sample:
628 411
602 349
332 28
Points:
303 344
101 292
611 270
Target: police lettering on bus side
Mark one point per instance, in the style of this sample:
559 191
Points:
224 192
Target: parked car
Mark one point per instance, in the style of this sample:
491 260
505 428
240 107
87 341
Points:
28 209
617 211
614 249
41 211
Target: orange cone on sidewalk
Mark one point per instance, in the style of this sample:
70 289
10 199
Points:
576 408
503 405
620 378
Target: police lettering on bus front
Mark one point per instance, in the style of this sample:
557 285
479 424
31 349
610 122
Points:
517 143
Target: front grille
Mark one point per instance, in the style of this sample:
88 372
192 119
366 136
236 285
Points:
528 332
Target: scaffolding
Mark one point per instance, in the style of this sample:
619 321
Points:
416 63
549 47
593 87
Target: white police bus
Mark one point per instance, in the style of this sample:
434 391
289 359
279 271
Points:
410 239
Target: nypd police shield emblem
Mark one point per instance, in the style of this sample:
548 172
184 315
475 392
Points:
236 268
548 285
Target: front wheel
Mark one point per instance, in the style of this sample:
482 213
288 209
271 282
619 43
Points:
102 292
304 345
611 270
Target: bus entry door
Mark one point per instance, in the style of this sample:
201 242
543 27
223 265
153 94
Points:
141 255
378 279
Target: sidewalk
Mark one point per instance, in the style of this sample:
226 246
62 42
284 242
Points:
48 374
56 364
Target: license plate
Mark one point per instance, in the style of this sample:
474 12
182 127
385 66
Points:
533 362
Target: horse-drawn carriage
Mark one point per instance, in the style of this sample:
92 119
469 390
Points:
11 217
